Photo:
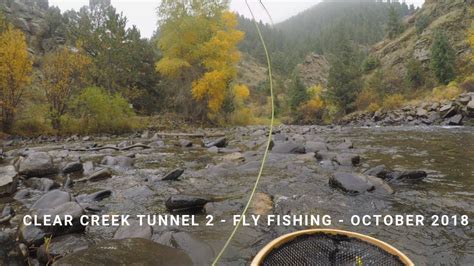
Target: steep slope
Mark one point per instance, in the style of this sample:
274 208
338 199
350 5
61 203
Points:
451 16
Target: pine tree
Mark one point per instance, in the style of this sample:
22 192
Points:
298 93
393 24
442 58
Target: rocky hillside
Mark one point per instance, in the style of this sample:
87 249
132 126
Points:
31 16
314 70
453 16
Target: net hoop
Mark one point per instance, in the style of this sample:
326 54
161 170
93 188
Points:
276 243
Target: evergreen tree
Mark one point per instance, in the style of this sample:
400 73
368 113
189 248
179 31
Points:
414 76
344 75
393 24
442 58
298 93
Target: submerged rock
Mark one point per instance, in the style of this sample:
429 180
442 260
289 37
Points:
351 182
136 251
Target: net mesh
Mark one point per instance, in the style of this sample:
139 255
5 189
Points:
328 249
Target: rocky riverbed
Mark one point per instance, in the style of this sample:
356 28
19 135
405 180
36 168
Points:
336 171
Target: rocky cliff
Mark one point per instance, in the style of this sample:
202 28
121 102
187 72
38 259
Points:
31 16
314 70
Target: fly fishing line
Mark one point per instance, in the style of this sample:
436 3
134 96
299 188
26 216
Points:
262 165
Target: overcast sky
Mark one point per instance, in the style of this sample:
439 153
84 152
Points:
143 12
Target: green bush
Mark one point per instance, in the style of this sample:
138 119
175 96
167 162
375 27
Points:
32 121
421 23
96 111
370 63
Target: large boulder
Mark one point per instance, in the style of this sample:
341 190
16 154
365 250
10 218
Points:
52 200
199 252
288 147
134 230
37 164
136 251
185 203
8 181
351 183
61 213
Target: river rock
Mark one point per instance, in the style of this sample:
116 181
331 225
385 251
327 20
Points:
381 187
420 112
347 159
350 182
261 204
185 203
199 252
8 181
219 143
134 230
97 196
379 171
185 143
37 164
42 184
97 176
470 108
406 175
61 246
347 144
71 209
315 146
288 147
51 200
73 167
136 251
31 235
173 175
455 120
123 162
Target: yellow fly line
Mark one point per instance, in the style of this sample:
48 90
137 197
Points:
262 165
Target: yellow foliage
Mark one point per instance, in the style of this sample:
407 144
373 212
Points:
446 92
373 107
198 42
63 74
393 101
15 71
241 92
242 117
366 98
315 91
312 110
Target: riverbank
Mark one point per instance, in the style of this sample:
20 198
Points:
335 171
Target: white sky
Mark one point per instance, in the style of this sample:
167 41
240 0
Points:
142 13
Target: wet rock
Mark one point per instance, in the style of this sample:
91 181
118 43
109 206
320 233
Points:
406 175
280 138
7 211
470 108
42 184
199 252
315 146
62 246
223 207
173 175
347 159
73 167
37 164
213 149
61 212
21 195
381 187
288 147
134 230
379 171
219 143
328 165
447 113
185 143
31 235
51 200
123 162
8 181
455 120
135 251
232 157
324 155
351 183
185 203
261 204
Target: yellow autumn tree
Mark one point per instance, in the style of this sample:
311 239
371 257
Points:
198 42
63 74
15 73
312 110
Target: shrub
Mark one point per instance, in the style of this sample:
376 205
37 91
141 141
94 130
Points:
446 92
373 107
242 117
32 121
393 101
95 111
468 84
365 98
370 63
421 23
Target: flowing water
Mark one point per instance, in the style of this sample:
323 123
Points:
298 185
